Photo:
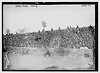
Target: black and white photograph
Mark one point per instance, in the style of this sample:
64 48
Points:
49 36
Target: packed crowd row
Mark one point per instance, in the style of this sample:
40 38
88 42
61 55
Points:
69 37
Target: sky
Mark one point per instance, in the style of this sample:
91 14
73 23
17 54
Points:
29 18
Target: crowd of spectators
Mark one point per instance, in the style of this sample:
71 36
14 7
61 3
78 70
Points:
69 37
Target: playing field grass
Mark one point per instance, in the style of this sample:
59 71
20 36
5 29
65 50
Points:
37 61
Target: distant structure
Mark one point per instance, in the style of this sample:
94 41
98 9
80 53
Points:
21 31
51 29
43 25
77 27
39 31
59 28
7 31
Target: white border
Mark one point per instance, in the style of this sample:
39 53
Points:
45 1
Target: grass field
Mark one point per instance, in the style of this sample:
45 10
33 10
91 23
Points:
37 61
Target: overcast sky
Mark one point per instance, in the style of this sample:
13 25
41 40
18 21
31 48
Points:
30 18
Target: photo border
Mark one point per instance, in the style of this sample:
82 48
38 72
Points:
60 3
